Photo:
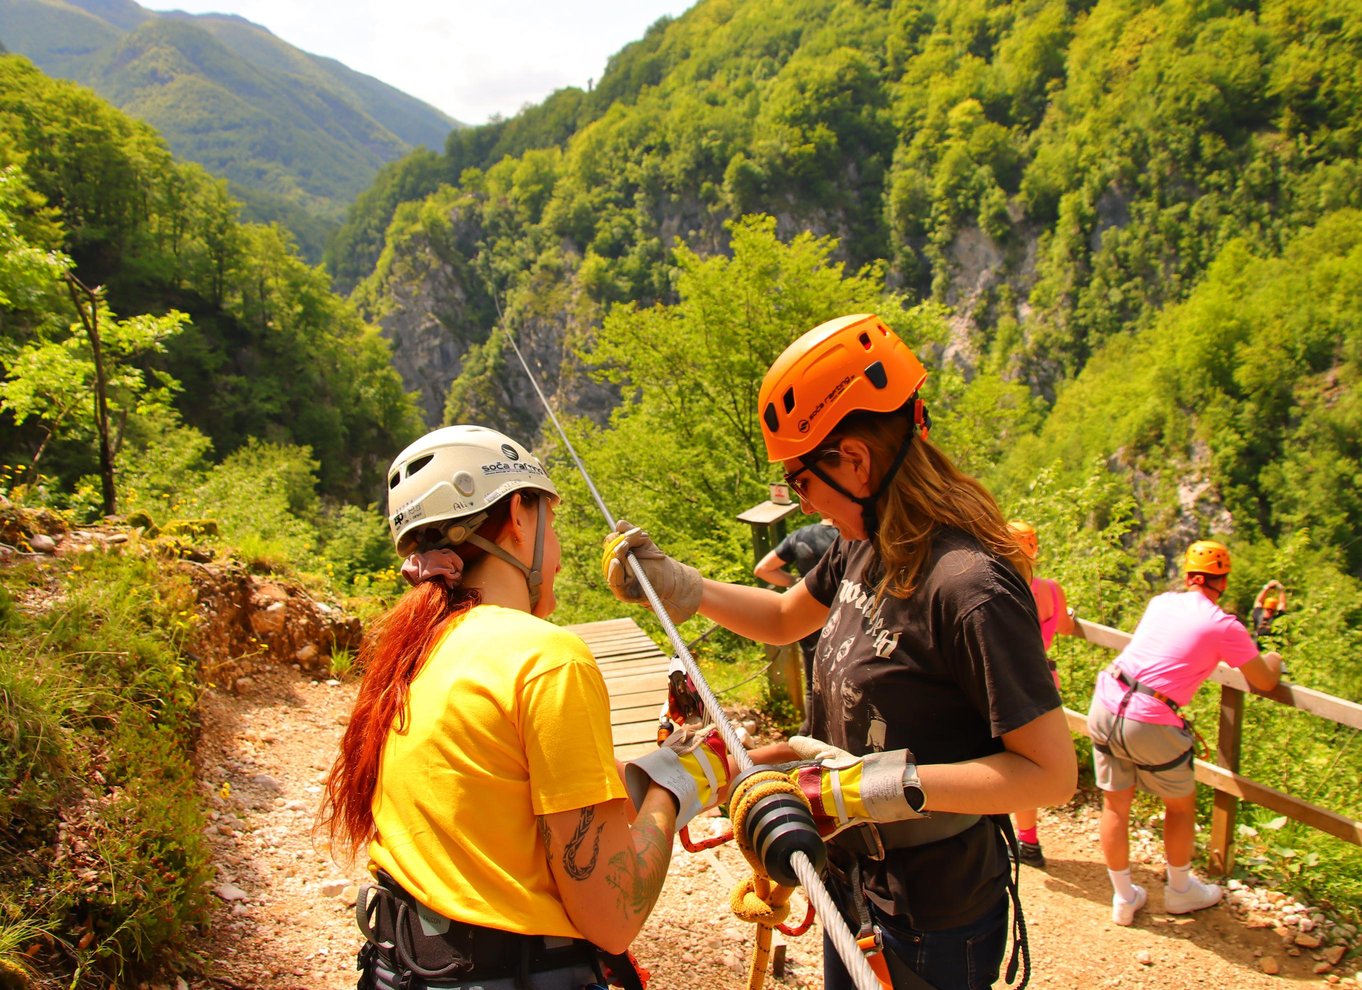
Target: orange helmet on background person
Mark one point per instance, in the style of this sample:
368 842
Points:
1270 604
1207 557
1025 535
850 364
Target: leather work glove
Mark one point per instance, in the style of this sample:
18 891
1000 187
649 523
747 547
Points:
845 790
817 750
677 584
692 763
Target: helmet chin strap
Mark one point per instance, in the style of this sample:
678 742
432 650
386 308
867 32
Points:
534 574
870 516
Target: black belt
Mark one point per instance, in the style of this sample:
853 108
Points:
1130 684
1133 686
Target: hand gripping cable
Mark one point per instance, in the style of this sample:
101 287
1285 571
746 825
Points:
796 866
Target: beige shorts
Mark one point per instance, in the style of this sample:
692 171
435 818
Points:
1134 743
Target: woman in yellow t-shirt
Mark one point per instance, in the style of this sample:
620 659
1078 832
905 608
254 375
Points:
478 763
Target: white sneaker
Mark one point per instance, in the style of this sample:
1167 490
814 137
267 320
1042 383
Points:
1197 896
1122 910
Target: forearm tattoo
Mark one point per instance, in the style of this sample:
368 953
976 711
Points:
580 871
638 872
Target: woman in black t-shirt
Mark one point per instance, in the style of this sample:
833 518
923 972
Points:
929 668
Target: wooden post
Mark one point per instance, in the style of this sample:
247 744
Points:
1226 807
767 520
786 673
785 670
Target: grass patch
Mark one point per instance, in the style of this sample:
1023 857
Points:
100 821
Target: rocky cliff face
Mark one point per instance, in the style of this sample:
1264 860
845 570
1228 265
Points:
433 304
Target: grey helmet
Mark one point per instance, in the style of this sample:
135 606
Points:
441 487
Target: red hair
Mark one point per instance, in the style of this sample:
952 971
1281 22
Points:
393 652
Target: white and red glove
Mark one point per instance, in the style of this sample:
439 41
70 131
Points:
692 763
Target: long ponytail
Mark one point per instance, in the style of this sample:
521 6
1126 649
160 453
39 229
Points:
393 653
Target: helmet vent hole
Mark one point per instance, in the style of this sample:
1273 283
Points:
396 477
865 340
876 375
789 400
418 464
771 417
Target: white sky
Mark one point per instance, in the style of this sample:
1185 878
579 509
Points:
470 59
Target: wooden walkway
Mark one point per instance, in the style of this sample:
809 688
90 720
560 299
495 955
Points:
635 670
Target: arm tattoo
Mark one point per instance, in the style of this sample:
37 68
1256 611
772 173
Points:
546 838
579 836
638 872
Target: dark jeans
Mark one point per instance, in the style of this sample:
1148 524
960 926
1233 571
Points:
963 958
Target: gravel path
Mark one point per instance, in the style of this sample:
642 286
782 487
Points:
283 918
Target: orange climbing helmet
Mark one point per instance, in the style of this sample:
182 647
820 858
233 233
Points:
1270 604
1207 557
1025 535
850 364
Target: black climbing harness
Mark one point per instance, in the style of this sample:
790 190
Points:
409 947
848 848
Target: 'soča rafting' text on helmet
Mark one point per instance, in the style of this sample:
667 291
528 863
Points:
1025 535
1207 557
440 487
850 364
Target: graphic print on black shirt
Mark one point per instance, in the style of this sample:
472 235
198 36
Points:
945 673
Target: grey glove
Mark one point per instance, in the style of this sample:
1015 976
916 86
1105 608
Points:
677 584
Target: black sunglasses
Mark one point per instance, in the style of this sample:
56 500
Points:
800 485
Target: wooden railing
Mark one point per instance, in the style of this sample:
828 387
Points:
1223 776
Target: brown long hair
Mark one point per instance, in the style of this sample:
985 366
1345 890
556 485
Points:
927 493
394 650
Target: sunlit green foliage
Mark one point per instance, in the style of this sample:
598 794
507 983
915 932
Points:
267 350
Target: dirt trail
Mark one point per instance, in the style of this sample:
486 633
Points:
283 919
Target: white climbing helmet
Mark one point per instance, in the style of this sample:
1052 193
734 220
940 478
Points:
440 488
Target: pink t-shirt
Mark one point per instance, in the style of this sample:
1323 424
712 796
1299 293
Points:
1045 587
1181 638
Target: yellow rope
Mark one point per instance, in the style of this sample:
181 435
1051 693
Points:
757 899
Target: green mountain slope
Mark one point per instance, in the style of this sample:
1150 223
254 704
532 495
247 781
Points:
299 137
262 351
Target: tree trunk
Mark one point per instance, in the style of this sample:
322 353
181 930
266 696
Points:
82 297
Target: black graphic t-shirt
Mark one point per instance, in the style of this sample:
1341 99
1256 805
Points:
945 673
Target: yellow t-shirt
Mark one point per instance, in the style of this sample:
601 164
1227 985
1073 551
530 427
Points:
508 719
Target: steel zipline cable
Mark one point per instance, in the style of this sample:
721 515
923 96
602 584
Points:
842 939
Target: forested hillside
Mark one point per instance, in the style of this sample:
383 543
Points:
218 342
1055 172
1125 236
297 136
